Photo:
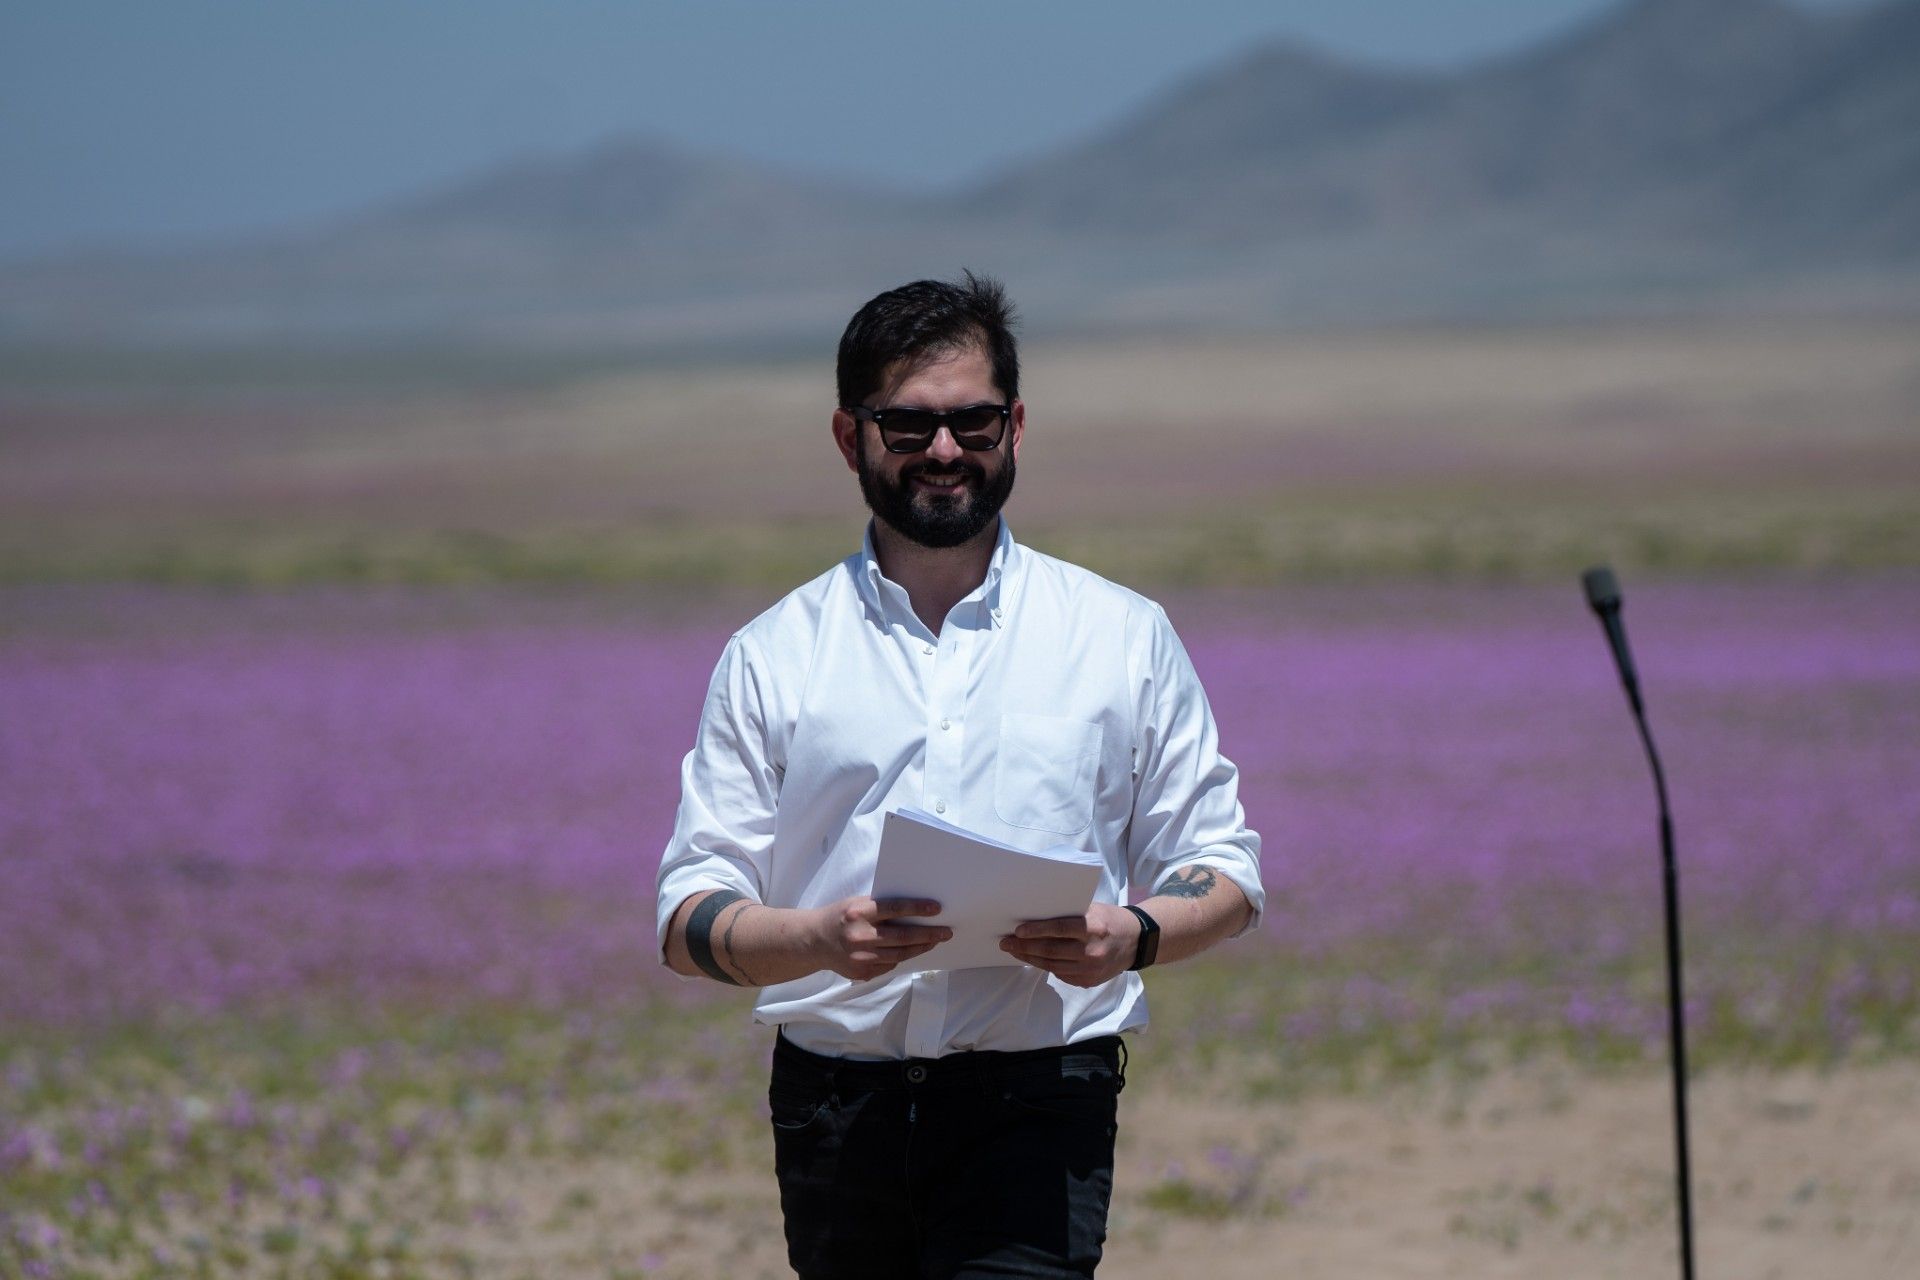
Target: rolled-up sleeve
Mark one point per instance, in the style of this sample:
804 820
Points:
729 789
1186 809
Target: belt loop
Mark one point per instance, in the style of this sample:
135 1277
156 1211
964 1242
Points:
1124 1059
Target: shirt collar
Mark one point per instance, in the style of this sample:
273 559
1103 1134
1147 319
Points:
993 592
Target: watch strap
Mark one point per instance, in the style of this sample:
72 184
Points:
1148 947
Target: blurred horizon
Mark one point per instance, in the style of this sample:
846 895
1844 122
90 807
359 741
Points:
1636 279
119 129
1649 159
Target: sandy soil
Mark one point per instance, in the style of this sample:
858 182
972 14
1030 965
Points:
1539 1171
1544 1173
1160 426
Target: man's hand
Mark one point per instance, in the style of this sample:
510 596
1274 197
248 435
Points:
855 941
1082 951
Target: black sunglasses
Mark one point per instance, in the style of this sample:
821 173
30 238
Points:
976 427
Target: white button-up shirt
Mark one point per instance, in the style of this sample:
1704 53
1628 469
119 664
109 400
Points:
1054 707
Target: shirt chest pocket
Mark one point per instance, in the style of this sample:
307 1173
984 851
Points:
1044 776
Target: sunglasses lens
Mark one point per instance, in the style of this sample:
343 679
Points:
977 427
908 430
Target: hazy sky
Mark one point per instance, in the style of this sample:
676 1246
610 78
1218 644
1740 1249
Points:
165 120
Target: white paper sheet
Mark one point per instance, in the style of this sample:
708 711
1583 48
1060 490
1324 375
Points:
984 887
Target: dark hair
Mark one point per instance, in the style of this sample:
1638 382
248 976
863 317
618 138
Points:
928 318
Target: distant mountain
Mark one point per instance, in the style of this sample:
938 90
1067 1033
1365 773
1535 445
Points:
1254 143
1623 119
1668 153
1832 163
632 189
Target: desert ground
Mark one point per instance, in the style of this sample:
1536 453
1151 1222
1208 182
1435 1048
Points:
1535 1170
1228 460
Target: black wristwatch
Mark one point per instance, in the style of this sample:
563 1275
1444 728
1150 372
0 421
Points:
1149 945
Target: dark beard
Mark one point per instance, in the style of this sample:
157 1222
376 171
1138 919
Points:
938 521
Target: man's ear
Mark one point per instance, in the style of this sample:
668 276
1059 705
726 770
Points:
1018 426
846 434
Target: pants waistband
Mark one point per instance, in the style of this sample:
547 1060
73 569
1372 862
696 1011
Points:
966 1065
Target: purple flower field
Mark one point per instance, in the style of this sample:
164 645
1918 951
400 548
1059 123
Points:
317 903
217 803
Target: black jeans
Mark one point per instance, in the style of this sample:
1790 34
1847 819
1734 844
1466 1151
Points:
975 1164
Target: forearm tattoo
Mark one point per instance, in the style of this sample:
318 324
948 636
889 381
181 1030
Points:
726 946
1192 882
700 933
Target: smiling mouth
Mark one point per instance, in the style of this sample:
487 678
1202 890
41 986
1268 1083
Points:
944 482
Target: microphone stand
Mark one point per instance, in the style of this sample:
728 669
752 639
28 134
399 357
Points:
1603 594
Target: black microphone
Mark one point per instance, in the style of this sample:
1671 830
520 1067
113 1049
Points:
1603 593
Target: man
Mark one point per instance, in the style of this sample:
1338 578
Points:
947 1123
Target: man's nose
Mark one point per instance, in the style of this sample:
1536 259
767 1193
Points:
944 448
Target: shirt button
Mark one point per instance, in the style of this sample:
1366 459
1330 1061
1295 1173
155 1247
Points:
939 806
928 649
946 724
